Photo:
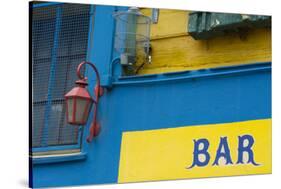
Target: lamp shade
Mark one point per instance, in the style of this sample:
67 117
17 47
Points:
78 104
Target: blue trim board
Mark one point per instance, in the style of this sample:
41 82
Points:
45 4
56 148
172 76
58 159
102 43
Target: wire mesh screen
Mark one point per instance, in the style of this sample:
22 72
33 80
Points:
59 44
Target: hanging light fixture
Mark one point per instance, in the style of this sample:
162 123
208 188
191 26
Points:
79 102
132 37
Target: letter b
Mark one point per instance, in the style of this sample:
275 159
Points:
204 151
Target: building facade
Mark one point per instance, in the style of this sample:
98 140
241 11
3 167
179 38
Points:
214 93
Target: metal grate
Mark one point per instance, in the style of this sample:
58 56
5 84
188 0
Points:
59 44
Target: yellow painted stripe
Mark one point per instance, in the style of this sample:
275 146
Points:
165 154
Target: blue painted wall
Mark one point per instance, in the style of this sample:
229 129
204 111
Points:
187 98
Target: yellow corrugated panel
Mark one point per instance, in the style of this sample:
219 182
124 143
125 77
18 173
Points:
174 50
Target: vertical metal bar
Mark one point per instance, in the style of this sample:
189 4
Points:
90 33
88 58
110 67
67 77
90 37
44 141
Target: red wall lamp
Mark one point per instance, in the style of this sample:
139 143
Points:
79 102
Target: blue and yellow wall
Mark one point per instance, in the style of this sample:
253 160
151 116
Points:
193 89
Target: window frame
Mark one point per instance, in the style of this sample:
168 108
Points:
52 152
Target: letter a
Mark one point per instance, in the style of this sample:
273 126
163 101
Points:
225 154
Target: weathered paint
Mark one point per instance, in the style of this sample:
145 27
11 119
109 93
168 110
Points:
168 153
174 50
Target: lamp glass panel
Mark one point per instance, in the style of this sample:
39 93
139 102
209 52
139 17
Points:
70 108
82 105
